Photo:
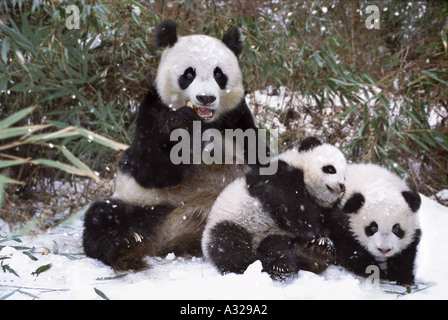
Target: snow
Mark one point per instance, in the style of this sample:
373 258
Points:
74 276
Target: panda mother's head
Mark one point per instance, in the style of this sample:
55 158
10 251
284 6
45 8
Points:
199 71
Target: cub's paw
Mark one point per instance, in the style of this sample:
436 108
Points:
282 269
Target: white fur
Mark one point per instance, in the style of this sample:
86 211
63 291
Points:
384 204
203 54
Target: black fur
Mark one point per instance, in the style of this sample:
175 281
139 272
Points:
165 34
148 158
186 78
220 78
284 196
413 199
231 248
282 256
308 144
354 203
110 228
232 39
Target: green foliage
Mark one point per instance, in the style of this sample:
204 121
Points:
381 84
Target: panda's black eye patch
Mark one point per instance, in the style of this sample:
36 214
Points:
396 229
220 78
186 78
371 229
329 169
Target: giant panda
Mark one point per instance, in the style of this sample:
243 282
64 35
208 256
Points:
160 206
278 219
378 224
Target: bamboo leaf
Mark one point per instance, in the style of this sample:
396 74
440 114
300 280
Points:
5 49
433 74
41 269
65 167
19 115
9 269
102 140
101 294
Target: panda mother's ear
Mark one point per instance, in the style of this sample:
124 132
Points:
165 34
413 199
232 39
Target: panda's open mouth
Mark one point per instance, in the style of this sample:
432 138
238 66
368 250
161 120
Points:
203 112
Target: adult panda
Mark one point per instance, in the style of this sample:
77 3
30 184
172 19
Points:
379 224
278 219
160 206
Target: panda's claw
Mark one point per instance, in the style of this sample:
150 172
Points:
137 237
320 241
280 269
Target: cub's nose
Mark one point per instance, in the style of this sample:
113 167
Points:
206 99
342 186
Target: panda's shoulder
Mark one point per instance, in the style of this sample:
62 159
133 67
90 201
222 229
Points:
287 179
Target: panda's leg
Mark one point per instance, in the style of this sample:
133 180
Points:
119 234
282 256
230 247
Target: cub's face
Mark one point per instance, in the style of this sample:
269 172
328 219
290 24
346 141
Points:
384 221
201 72
324 174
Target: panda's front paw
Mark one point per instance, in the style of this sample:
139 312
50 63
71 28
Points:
182 118
322 247
282 269
132 239
130 249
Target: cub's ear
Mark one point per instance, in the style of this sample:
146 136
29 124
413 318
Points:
309 143
354 203
413 199
165 34
232 39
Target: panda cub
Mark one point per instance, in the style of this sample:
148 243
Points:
379 224
160 206
278 218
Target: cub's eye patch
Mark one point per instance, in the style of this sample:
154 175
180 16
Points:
396 229
329 169
371 229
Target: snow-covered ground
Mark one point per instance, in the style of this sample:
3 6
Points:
52 266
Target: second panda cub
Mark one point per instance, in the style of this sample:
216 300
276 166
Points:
378 225
278 218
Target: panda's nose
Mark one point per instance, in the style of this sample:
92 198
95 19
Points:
342 186
206 99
